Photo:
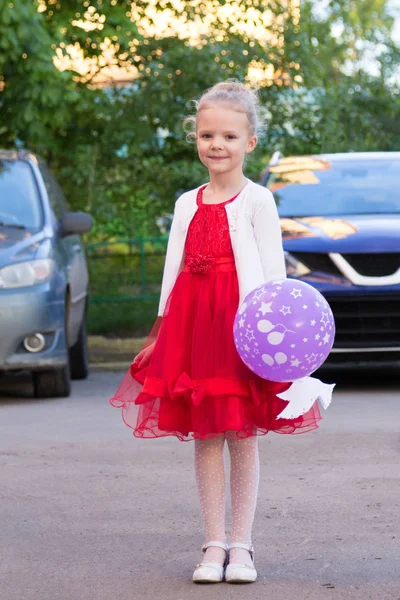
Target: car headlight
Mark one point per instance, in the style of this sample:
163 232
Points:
24 274
295 268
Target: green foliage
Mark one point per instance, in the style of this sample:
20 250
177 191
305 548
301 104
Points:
28 106
125 281
122 319
121 152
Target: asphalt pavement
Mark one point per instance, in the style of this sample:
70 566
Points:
89 512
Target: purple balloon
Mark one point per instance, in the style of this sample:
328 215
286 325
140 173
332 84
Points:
284 330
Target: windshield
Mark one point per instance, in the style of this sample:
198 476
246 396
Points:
19 198
308 186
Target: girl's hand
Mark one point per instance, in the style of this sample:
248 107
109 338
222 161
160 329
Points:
144 357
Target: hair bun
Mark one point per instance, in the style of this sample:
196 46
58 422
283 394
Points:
230 86
237 87
232 92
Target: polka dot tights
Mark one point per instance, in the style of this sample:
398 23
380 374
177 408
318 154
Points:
211 484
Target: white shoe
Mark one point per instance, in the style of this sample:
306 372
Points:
210 572
238 573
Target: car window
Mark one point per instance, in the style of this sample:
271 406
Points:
307 186
54 191
20 202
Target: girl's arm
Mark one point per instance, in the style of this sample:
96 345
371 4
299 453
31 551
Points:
268 235
171 270
173 261
144 356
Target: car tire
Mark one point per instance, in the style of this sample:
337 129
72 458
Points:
52 384
79 356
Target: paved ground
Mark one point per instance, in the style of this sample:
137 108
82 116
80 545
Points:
88 512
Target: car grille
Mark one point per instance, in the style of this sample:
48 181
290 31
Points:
374 265
369 265
343 359
318 262
366 321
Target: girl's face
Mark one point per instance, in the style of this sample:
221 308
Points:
223 138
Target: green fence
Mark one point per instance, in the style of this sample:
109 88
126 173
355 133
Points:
125 280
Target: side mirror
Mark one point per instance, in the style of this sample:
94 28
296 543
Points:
76 222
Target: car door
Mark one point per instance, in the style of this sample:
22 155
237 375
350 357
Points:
72 255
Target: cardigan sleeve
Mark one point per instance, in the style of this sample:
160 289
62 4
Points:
173 261
268 235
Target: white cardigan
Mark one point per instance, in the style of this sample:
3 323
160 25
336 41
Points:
255 235
256 239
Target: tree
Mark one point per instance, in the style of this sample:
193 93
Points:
121 151
347 97
31 88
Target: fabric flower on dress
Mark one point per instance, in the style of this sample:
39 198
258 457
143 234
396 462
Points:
200 263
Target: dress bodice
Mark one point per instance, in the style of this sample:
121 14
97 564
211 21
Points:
208 233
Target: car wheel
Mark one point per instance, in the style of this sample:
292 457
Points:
79 356
52 384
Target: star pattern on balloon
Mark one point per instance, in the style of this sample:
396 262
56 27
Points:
296 293
285 310
312 357
241 322
258 294
265 308
325 318
250 335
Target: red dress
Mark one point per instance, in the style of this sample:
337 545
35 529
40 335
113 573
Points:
196 385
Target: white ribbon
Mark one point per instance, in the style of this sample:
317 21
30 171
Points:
302 394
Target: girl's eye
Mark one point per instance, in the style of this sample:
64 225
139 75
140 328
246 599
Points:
206 135
231 137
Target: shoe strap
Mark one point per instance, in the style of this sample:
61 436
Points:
211 565
215 545
247 547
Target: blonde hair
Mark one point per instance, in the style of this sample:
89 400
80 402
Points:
237 95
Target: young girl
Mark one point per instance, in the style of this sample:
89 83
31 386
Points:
189 380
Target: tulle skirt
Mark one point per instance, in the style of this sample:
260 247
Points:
196 385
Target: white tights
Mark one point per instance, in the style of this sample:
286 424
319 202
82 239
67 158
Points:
244 478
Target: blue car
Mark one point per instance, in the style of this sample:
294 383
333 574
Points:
43 277
340 219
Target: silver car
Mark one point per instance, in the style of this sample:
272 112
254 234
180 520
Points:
43 277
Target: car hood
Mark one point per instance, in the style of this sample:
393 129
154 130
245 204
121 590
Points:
347 233
17 245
